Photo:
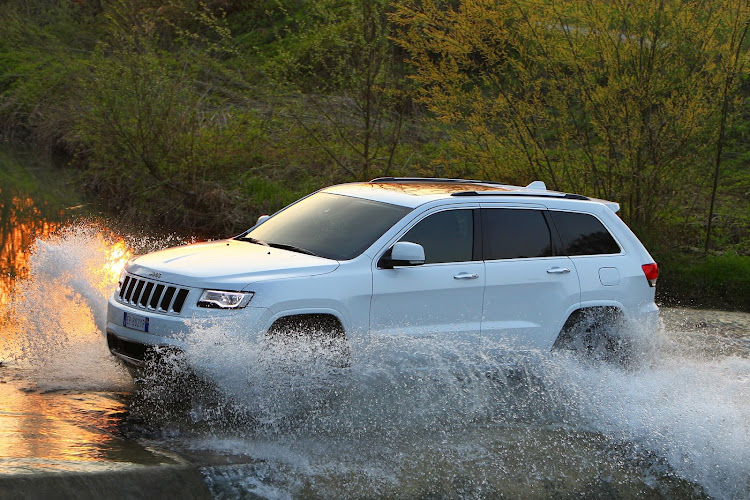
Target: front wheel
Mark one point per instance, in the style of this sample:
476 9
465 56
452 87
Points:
319 337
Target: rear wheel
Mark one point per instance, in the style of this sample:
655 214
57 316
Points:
598 334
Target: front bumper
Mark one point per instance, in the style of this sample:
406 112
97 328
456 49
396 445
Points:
133 354
170 333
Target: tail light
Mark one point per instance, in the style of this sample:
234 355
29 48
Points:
652 273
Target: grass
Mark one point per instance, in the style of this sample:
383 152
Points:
717 281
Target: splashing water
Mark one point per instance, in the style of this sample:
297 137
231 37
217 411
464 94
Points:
58 309
448 419
408 417
693 414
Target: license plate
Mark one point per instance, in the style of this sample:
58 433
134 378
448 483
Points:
135 322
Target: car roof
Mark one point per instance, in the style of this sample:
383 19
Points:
415 191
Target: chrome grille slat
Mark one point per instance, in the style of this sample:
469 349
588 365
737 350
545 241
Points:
129 291
137 292
151 295
156 297
179 299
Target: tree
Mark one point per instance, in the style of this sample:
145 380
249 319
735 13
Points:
151 118
612 99
344 82
731 53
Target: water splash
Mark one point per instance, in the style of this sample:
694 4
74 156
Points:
450 418
694 414
57 312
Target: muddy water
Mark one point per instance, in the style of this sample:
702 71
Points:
407 419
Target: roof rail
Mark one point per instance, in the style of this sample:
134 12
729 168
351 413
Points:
435 179
549 194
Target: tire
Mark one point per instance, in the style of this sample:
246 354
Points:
597 334
321 333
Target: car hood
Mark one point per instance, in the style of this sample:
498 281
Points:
227 264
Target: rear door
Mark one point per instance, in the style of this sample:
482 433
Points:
442 297
607 274
530 287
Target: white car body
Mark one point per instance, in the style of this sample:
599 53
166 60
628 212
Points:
523 302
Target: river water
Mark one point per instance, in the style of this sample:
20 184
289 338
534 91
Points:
407 419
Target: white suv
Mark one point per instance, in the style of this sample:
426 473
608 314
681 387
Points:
522 267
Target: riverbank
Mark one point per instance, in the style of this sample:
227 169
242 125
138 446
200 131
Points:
704 281
201 117
164 481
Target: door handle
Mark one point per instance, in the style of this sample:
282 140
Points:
558 270
466 276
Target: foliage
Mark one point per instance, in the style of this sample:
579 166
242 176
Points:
613 99
145 119
42 47
345 84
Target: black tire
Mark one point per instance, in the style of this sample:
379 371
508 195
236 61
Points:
597 334
321 332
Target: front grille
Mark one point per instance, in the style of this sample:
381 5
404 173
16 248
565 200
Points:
151 295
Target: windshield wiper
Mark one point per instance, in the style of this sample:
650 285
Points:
284 246
252 240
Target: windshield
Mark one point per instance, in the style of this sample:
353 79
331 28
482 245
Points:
328 225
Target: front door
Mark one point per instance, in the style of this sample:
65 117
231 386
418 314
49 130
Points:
443 296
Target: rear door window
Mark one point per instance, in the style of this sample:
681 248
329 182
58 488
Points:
584 234
515 234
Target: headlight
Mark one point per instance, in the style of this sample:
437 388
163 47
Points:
224 300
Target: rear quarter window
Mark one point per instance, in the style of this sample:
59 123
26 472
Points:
584 234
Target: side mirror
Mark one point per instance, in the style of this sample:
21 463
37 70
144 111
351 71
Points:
262 219
403 253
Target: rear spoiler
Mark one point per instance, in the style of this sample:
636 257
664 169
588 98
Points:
612 205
